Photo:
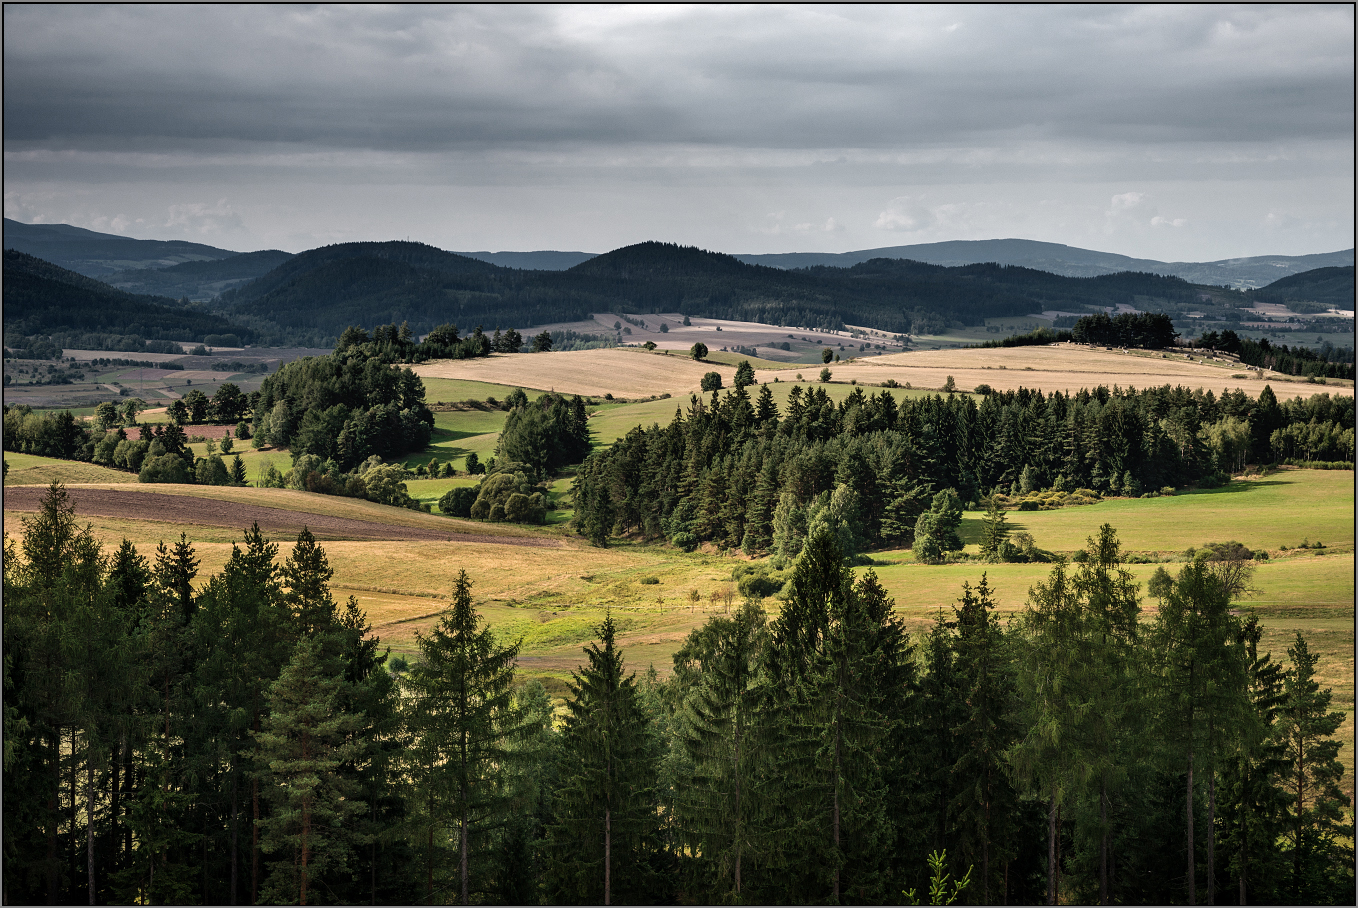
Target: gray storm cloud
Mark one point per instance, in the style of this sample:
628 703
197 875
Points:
872 103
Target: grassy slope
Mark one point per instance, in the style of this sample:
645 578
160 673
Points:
30 470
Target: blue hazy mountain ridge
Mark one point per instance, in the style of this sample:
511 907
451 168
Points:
45 299
1322 287
201 280
99 255
1070 261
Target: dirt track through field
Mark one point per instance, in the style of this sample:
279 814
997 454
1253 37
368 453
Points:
185 510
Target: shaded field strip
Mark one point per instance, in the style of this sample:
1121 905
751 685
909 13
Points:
188 510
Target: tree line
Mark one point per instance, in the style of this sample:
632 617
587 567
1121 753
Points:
247 740
1328 362
741 474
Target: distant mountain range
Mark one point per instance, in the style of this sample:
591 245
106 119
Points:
317 294
1071 261
102 254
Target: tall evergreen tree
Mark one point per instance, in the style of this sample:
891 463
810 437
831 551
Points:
716 672
985 803
303 746
462 717
1315 831
1203 690
605 839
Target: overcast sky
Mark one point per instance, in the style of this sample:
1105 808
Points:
1174 133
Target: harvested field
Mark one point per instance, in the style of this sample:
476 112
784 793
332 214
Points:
620 372
1063 367
193 511
630 373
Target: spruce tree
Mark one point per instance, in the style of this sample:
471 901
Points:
716 672
1203 692
985 803
462 719
1315 828
1254 804
303 746
605 839
830 670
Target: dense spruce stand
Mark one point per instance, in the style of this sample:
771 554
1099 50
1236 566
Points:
244 740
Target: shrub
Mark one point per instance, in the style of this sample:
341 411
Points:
825 375
1030 505
756 582
458 502
164 468
649 581
685 541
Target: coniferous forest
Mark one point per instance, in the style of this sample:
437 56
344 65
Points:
741 474
242 739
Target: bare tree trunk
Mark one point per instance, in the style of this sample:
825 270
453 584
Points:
1103 843
1192 880
306 845
1211 838
89 822
254 832
254 844
115 782
463 839
608 856
1051 850
235 828
429 866
70 839
985 845
1244 831
54 820
835 821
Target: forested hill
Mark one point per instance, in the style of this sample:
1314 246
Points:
200 280
96 254
1323 287
43 299
322 292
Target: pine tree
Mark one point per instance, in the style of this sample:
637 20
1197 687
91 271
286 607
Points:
985 803
303 745
1322 863
1253 802
245 631
994 532
831 654
462 718
605 838
1203 690
716 672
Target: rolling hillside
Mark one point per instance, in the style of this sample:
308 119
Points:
200 280
1069 261
323 291
44 299
101 254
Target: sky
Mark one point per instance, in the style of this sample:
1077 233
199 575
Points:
1179 133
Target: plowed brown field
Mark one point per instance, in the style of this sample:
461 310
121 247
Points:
191 511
